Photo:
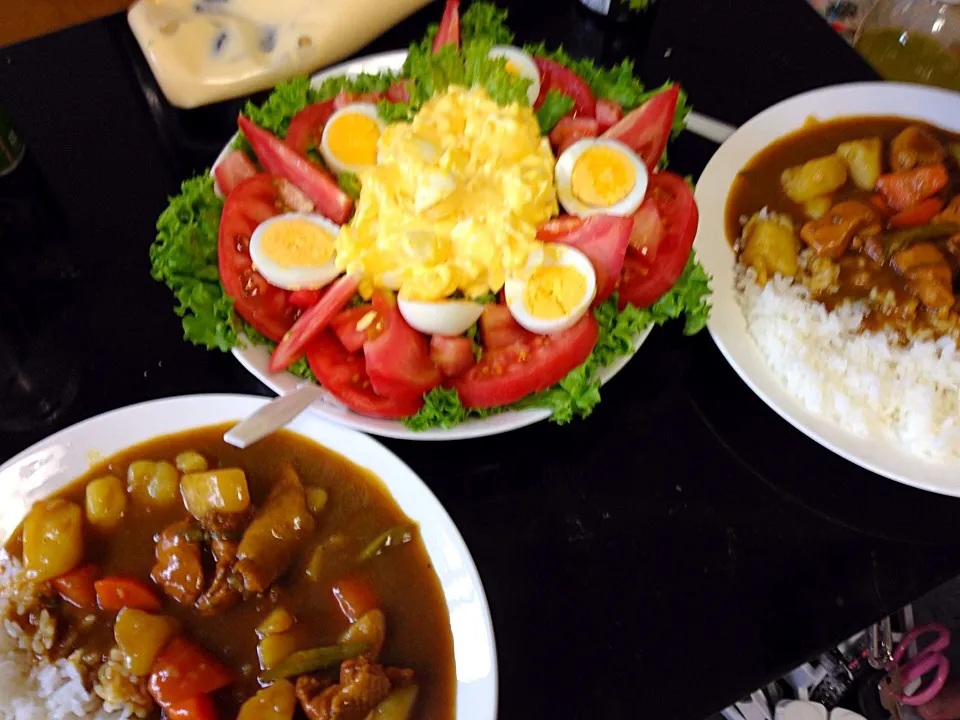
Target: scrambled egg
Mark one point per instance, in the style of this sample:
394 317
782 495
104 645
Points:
454 200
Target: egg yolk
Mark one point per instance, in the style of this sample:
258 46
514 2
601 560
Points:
296 242
352 137
512 68
553 291
602 176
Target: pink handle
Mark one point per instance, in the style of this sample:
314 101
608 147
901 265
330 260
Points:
941 643
924 661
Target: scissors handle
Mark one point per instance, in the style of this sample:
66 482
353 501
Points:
922 663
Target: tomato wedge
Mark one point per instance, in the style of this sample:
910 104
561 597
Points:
399 91
651 270
648 229
184 670
498 328
306 126
603 239
453 355
312 322
554 76
345 376
279 158
398 362
571 128
448 33
344 325
304 298
646 128
558 227
233 169
258 302
609 113
506 374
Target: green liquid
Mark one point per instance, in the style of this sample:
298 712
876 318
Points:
911 57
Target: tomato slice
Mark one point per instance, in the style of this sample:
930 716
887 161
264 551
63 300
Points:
646 128
558 227
571 128
609 113
399 91
279 158
603 239
345 97
345 376
554 76
306 126
258 302
648 229
233 169
449 30
498 328
506 374
649 272
398 362
312 322
453 355
344 325
304 298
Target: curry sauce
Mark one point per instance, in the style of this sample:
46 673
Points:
358 510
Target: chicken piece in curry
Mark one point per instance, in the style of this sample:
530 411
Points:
858 209
190 580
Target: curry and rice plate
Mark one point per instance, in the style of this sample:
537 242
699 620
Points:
187 578
847 236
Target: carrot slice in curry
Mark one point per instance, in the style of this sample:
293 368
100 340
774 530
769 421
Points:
115 593
184 670
919 214
904 189
77 586
354 596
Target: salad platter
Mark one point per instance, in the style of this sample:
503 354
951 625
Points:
454 241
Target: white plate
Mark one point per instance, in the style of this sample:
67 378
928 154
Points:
61 458
255 358
727 324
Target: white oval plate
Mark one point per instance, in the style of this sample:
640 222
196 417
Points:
61 458
255 358
727 324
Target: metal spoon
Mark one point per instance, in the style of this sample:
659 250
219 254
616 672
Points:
272 416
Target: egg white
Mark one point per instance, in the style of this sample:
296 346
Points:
443 317
524 63
329 156
293 277
564 168
558 255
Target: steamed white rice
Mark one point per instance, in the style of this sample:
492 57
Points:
42 691
863 381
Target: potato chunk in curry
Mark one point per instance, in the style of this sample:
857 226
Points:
770 246
814 178
864 159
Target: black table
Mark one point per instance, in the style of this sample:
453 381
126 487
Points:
677 549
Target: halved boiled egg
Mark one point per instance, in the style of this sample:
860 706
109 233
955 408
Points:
553 291
519 63
597 175
349 140
442 317
295 251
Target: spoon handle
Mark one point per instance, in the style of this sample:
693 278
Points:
272 416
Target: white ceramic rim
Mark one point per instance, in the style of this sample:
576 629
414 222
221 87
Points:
255 359
727 324
61 458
